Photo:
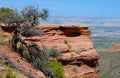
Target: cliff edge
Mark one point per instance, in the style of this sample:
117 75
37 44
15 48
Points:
76 46
78 55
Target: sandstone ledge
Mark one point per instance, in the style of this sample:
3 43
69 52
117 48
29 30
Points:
79 49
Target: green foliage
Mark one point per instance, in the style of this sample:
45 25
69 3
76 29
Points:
26 55
4 41
32 14
74 68
77 52
57 69
1 77
54 52
19 45
28 17
71 56
82 76
10 74
106 76
3 10
5 34
69 46
65 41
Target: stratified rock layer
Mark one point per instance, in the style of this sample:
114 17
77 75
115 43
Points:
78 50
74 41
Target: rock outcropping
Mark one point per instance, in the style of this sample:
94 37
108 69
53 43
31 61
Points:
76 46
78 52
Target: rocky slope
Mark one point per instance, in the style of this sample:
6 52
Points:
79 57
13 59
74 41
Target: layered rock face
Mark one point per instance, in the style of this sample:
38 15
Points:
79 57
74 41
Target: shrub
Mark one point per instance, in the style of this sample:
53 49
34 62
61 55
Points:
54 52
4 41
71 56
65 41
10 74
74 68
106 76
1 77
82 76
57 69
69 46
5 34
77 52
19 45
26 55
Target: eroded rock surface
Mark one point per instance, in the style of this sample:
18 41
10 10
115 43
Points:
76 46
74 41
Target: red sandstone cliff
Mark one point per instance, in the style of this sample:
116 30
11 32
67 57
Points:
79 49
76 46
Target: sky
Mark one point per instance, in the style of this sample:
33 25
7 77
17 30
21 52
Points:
80 8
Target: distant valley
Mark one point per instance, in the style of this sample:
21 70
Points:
96 21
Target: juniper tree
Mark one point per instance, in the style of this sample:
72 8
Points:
23 23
